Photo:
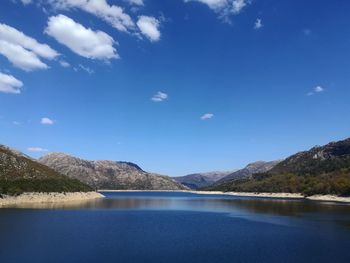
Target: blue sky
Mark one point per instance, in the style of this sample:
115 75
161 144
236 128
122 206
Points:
174 86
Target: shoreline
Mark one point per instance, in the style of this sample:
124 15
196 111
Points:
37 198
322 198
248 194
53 197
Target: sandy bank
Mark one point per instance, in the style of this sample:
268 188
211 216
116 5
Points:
247 194
272 195
121 191
328 198
27 198
331 198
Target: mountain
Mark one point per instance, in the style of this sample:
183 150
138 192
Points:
320 170
203 180
198 180
252 168
109 174
320 159
19 173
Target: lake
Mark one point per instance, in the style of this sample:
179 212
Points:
176 227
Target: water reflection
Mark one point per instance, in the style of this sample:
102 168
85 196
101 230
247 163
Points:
106 203
283 207
274 211
204 203
207 228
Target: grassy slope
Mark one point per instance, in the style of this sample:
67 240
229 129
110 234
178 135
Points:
321 170
337 183
20 174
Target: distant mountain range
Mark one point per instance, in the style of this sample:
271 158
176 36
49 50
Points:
19 173
203 180
109 174
199 180
321 170
252 168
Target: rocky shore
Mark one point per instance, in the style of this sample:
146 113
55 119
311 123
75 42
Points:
28 198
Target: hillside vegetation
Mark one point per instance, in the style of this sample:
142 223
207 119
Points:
321 170
19 173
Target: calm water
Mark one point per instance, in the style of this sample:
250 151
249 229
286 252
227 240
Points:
177 227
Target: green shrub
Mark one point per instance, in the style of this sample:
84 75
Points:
336 183
16 187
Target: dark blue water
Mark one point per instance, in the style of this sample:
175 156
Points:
177 227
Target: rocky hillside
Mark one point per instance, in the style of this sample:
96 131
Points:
19 173
199 180
109 174
320 170
320 159
252 168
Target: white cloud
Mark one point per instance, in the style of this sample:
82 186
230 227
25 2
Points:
23 51
224 8
207 116
9 84
149 26
213 4
112 14
159 96
317 89
64 64
83 41
87 69
36 149
258 24
14 36
238 5
26 2
16 123
135 2
47 121
20 57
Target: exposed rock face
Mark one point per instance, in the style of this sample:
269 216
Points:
109 174
252 168
198 180
319 159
